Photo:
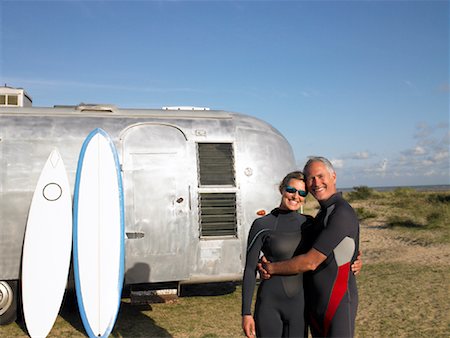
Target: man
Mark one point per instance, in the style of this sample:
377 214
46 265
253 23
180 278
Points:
331 294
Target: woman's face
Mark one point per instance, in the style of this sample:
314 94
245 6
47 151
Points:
293 201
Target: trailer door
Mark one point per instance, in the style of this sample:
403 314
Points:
155 172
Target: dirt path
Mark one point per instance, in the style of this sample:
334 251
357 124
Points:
380 244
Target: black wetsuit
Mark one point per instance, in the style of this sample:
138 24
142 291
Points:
331 295
279 308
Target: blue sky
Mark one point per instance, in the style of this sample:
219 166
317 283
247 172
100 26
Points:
364 83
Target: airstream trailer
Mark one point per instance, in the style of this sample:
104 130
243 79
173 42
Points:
194 180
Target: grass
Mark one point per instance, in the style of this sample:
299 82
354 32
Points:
402 300
398 298
417 214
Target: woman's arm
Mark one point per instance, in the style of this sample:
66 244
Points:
248 325
254 245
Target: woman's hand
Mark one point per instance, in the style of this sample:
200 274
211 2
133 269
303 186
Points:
357 265
248 325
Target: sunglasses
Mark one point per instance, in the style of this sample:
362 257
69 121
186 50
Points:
292 190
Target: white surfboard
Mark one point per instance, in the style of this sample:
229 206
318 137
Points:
98 242
47 248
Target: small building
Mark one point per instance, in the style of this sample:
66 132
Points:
14 97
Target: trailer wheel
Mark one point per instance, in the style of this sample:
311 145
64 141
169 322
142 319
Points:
8 302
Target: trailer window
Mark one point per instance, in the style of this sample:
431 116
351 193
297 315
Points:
9 100
216 164
218 214
13 100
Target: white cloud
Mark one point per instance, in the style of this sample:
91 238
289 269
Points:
337 163
419 150
443 155
383 165
429 173
377 168
362 155
359 155
426 162
423 130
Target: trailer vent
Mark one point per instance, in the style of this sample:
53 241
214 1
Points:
216 164
218 214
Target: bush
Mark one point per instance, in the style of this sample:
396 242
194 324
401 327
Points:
439 198
403 222
364 213
404 192
360 193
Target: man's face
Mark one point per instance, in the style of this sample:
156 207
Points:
319 181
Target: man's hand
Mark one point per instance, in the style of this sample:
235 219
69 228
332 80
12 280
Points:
357 265
248 325
262 268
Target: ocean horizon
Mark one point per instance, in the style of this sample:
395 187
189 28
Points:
435 187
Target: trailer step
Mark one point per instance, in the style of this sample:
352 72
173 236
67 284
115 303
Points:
143 297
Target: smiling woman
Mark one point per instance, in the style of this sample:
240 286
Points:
278 236
293 191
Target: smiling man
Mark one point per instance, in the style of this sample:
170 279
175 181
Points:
331 294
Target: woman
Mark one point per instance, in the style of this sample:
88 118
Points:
280 303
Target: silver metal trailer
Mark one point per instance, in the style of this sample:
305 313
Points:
194 180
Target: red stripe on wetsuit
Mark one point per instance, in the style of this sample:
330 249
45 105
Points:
338 292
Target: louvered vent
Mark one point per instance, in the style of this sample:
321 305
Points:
216 164
218 214
217 209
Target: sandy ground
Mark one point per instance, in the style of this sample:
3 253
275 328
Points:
382 245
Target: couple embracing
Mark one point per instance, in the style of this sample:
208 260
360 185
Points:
308 276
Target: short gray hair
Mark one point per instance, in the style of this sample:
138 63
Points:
321 159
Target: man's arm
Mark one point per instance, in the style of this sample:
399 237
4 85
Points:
302 263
